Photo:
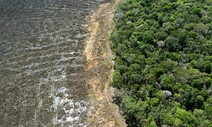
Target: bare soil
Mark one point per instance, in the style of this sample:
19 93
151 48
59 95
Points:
103 112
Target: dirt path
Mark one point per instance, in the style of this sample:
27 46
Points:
103 113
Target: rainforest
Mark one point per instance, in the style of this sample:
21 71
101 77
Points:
163 62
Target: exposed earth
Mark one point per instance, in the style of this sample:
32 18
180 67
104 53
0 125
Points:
44 68
103 112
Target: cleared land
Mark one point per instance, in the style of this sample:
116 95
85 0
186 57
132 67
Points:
103 112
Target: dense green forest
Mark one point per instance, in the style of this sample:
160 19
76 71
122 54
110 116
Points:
163 65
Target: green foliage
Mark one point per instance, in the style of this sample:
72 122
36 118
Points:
188 120
164 62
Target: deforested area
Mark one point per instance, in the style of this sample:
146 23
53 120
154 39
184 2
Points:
99 70
42 66
163 65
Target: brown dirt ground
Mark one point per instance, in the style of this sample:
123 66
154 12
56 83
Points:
103 112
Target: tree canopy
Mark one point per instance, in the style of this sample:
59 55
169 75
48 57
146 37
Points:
163 66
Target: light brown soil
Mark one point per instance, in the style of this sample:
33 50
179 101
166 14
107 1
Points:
103 112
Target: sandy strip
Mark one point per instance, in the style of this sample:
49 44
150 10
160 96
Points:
103 112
